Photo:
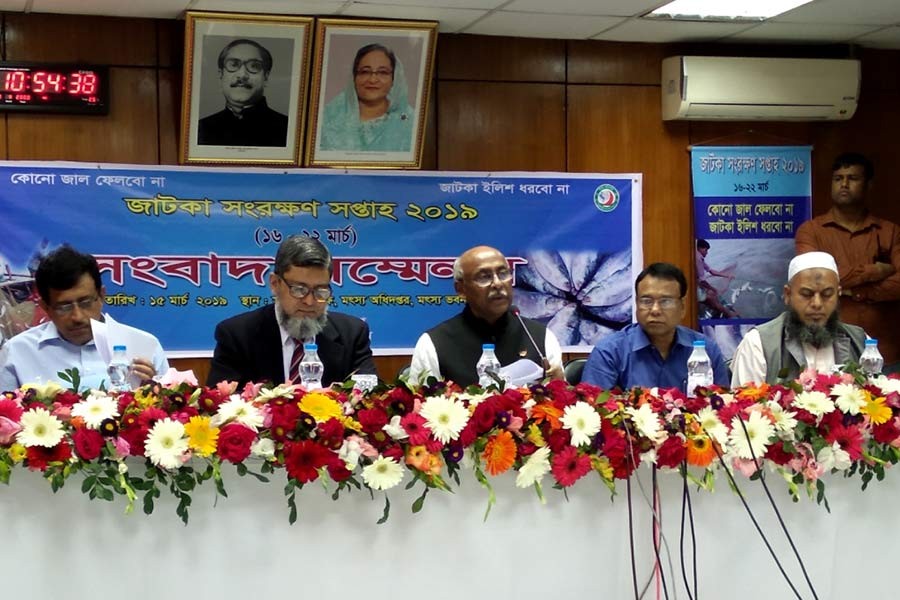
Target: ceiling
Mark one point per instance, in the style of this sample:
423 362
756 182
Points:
869 23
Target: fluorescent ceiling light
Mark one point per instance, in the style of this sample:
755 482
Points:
717 10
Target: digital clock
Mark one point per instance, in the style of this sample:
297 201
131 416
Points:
54 88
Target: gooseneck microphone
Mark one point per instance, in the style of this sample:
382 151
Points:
515 310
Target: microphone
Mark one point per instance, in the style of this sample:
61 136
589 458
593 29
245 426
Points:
515 310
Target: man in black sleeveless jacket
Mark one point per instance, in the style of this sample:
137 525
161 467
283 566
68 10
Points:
450 350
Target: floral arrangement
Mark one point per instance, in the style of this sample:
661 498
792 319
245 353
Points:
175 435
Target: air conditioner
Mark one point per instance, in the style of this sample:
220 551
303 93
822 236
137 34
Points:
710 88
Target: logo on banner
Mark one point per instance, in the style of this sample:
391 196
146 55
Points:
606 198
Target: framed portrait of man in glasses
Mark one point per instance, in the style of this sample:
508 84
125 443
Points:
244 88
370 91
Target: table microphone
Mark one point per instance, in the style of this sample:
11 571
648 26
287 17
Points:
518 313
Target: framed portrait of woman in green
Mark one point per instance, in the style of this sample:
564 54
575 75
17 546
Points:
370 89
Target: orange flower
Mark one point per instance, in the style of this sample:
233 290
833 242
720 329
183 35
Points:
753 393
500 453
419 458
549 413
700 451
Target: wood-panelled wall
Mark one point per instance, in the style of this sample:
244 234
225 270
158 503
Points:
498 104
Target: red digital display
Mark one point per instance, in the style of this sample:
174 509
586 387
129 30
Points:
62 88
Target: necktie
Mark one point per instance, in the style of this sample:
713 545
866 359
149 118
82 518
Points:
296 357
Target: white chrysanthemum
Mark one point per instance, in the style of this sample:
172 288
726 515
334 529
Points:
759 432
166 444
713 426
848 398
534 469
263 448
96 408
445 417
834 457
382 474
582 421
646 421
39 428
279 391
815 403
239 410
784 421
886 384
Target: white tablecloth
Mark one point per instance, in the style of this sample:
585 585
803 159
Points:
66 546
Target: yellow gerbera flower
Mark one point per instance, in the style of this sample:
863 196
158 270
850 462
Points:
17 453
876 410
320 407
202 438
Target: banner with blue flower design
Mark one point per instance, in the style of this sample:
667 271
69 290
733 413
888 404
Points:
180 249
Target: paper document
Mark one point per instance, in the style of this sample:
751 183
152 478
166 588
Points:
522 372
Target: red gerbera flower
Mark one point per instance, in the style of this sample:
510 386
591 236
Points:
568 466
848 438
39 458
414 425
303 459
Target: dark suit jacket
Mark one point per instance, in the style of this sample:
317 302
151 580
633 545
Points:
249 348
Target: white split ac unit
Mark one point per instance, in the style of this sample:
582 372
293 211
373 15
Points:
710 88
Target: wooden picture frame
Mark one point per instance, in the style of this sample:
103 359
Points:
253 115
359 120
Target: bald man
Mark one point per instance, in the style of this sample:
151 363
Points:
807 335
450 350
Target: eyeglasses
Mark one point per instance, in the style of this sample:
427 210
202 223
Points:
233 65
486 278
665 303
365 73
301 290
67 307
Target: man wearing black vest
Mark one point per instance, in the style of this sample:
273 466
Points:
450 350
808 335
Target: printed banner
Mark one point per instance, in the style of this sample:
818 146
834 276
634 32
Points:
748 202
181 249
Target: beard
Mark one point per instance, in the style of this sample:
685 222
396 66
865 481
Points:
816 336
300 328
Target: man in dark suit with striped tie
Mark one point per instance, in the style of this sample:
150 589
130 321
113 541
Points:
266 344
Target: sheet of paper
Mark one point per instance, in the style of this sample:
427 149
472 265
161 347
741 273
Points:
111 333
522 372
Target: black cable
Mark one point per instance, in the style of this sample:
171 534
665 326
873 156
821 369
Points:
631 539
752 518
685 502
784 528
657 523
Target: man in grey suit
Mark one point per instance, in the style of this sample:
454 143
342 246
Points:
261 345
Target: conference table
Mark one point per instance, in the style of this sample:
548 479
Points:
66 546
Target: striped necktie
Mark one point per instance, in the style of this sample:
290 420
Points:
296 357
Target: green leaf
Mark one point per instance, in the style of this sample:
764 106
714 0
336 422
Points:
87 484
387 510
292 517
148 502
420 501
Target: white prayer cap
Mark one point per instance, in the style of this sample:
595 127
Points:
811 260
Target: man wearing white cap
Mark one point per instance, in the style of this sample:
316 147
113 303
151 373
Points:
808 335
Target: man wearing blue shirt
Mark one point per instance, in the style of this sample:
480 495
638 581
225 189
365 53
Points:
71 294
654 351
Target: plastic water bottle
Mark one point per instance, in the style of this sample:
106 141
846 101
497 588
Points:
311 367
118 369
488 363
871 360
699 369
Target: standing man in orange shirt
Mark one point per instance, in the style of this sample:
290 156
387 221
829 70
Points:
867 251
